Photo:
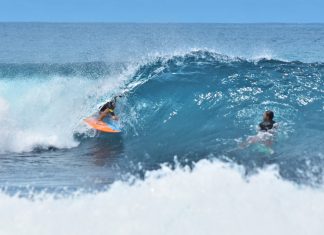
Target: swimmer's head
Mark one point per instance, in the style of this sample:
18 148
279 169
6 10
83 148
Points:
268 115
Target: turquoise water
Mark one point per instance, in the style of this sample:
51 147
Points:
192 93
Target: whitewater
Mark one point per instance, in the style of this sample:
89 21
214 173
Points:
191 94
213 197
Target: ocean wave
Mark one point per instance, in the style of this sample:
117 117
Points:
193 106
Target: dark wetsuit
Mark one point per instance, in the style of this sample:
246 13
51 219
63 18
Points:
266 125
110 105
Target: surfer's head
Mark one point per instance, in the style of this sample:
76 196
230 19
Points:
113 104
268 115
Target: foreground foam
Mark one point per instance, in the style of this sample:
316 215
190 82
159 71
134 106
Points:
213 198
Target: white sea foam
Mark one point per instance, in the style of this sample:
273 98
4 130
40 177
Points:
47 112
214 198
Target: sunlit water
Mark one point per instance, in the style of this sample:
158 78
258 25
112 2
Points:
192 93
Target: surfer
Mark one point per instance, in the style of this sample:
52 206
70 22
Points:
108 109
266 131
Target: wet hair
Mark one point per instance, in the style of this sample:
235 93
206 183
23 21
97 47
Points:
269 114
113 104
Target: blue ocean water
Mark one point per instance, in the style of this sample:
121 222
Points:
191 94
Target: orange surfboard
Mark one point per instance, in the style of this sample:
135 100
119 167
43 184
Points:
110 126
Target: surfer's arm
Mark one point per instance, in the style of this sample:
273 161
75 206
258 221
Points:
114 117
274 129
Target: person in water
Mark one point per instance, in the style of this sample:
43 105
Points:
108 109
265 132
268 123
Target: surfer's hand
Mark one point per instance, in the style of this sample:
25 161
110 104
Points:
115 118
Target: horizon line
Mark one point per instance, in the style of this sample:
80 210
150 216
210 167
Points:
140 22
